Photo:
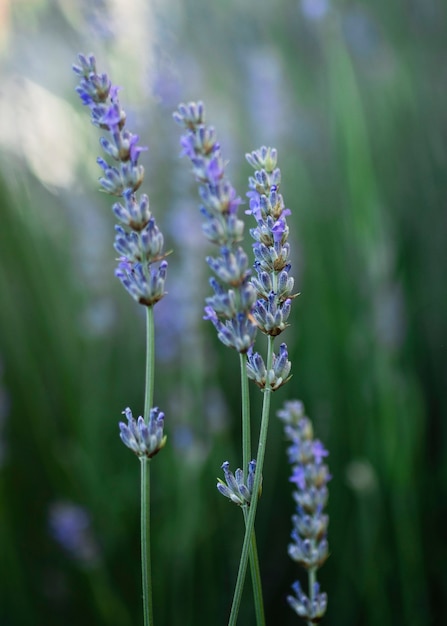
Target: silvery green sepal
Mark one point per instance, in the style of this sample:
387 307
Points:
143 439
235 489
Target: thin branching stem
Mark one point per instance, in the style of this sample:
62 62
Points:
246 456
312 579
150 362
246 427
146 576
249 528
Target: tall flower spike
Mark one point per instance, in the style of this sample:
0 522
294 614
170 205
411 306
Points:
230 308
271 250
138 240
310 476
273 284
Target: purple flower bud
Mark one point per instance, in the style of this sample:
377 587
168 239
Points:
145 440
235 489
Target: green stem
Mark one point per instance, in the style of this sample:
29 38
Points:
246 433
255 576
246 456
249 528
146 577
312 579
150 361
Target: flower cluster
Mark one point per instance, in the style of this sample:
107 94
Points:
70 525
311 609
138 239
235 489
229 309
310 475
277 376
143 439
271 250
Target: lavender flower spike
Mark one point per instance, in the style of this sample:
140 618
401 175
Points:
310 476
271 249
138 240
230 309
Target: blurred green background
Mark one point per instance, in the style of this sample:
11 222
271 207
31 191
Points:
353 95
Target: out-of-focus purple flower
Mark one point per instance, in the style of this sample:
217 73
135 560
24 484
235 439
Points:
98 18
363 36
315 9
267 93
70 525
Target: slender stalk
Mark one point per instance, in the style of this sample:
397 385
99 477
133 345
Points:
150 361
255 576
146 576
249 528
246 456
312 578
246 430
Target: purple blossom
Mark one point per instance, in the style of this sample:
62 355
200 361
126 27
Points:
111 116
319 451
299 476
70 526
279 229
